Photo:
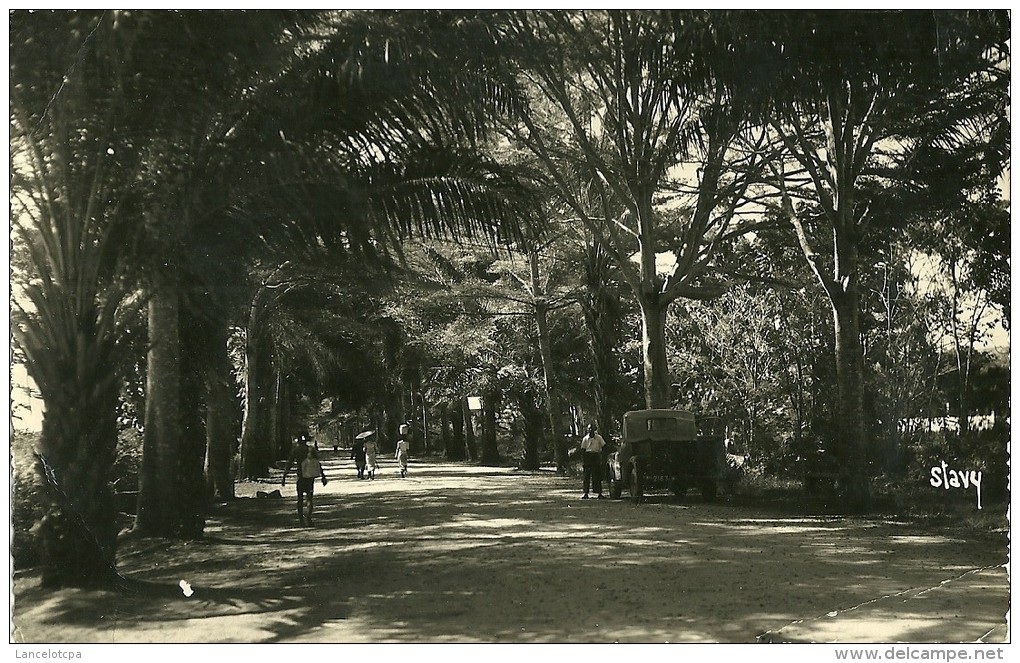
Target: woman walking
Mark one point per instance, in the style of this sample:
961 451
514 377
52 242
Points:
371 450
401 456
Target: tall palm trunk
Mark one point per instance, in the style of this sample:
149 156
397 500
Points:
656 373
158 498
490 450
70 347
457 450
532 430
280 416
599 323
191 459
552 396
853 450
255 442
443 410
219 431
78 533
654 305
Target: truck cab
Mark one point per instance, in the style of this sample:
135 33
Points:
662 449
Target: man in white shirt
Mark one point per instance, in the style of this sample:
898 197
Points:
591 447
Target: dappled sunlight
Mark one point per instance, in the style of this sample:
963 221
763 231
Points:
472 521
923 539
794 526
520 559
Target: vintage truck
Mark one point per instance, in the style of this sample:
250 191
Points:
662 449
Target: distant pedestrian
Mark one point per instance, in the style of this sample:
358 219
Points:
401 455
358 454
306 458
371 451
591 447
311 469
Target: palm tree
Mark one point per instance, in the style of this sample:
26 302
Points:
351 173
71 206
383 151
170 121
196 79
318 320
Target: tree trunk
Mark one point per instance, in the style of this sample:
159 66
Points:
444 426
255 441
219 432
532 415
798 407
283 433
656 368
552 395
490 450
469 431
852 422
602 369
78 533
191 501
963 348
158 496
600 322
456 451
392 417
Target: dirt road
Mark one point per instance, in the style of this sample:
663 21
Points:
456 553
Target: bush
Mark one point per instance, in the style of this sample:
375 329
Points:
984 451
26 500
124 473
28 494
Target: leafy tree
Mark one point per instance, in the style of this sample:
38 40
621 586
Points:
751 366
455 315
856 95
904 362
963 266
639 127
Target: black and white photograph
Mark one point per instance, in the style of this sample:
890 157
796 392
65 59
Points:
384 327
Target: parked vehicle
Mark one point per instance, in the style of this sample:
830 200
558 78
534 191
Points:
662 449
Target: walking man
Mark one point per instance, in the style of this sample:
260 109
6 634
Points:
300 454
591 447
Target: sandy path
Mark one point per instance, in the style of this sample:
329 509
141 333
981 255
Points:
457 553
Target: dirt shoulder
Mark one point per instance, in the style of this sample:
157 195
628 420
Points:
457 553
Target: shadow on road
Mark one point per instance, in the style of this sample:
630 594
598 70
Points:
456 553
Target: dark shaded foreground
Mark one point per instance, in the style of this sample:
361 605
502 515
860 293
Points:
456 553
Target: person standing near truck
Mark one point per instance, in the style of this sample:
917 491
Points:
591 447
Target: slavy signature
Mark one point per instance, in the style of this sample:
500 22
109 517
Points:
944 477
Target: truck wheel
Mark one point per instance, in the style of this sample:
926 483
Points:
615 488
709 490
636 485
